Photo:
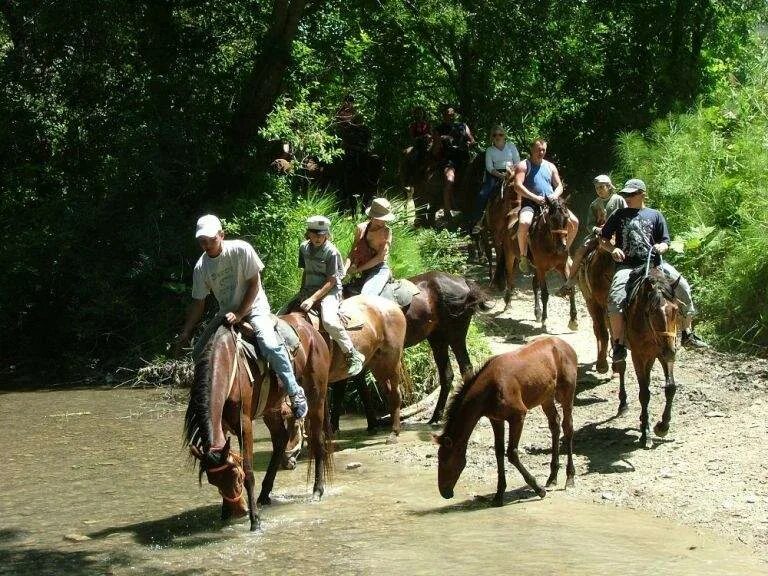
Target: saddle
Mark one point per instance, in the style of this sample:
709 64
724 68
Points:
401 292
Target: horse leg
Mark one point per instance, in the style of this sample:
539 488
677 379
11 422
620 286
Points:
661 428
515 431
536 298
567 405
573 323
643 372
365 397
445 375
600 329
316 433
544 298
510 261
459 347
623 403
498 446
337 403
388 378
553 418
279 436
246 448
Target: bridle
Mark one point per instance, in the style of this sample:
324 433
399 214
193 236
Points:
233 462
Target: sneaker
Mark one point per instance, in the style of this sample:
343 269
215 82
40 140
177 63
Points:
619 356
299 404
690 340
525 267
354 363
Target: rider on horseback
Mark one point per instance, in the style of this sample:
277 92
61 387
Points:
536 179
321 285
370 250
606 203
499 157
456 156
639 229
231 270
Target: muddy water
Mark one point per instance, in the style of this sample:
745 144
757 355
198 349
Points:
108 466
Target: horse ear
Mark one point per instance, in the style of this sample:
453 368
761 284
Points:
676 282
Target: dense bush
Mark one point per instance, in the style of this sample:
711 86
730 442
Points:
706 171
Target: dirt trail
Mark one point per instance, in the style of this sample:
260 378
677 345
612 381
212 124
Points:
712 469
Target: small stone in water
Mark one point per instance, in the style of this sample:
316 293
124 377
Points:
354 465
76 537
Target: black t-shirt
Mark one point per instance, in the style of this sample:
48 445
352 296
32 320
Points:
636 229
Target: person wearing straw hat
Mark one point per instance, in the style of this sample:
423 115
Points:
639 229
231 271
321 286
370 250
606 203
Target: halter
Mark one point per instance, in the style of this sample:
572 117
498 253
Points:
231 463
556 231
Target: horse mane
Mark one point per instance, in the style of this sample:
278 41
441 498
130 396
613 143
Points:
451 413
197 420
458 296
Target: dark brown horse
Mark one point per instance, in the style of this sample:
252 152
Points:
595 276
495 220
504 390
440 313
651 333
548 250
224 397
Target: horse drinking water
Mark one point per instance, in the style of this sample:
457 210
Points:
228 393
504 390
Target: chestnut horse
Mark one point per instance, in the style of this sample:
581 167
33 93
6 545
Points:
440 314
504 390
595 276
651 333
548 250
223 396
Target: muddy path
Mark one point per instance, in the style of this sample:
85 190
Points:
711 472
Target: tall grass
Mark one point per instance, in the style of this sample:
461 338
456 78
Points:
707 171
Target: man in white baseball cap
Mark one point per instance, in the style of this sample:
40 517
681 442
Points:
231 271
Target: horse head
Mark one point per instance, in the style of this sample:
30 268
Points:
557 217
451 460
224 470
653 311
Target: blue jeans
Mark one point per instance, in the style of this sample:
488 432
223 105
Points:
272 348
375 279
489 183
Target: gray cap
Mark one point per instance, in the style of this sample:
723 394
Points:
632 186
319 224
604 179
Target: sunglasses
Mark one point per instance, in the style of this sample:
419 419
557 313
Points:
498 134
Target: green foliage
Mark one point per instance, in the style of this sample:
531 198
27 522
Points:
706 170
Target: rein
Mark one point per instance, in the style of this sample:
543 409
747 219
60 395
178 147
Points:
652 329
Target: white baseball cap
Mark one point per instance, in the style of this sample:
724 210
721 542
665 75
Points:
208 226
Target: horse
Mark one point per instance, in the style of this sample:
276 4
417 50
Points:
548 250
440 314
504 390
651 333
594 277
227 393
502 203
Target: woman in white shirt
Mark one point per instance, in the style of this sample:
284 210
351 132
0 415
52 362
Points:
498 156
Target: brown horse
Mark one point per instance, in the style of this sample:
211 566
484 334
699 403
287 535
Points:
440 314
495 219
651 333
504 390
548 250
223 396
595 276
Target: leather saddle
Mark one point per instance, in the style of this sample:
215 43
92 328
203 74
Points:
401 292
285 332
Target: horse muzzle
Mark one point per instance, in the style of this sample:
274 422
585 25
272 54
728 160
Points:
446 493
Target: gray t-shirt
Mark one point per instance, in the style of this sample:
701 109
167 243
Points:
227 276
319 264
601 209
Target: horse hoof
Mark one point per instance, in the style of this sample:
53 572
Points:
317 495
264 501
255 525
392 439
573 325
569 483
551 482
646 442
544 326
661 429
601 366
541 492
497 502
623 407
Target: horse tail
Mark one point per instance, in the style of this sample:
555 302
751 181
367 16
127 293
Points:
327 442
478 298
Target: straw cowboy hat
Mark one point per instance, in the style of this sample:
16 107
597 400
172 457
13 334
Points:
380 209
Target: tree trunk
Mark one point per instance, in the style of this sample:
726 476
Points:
257 98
